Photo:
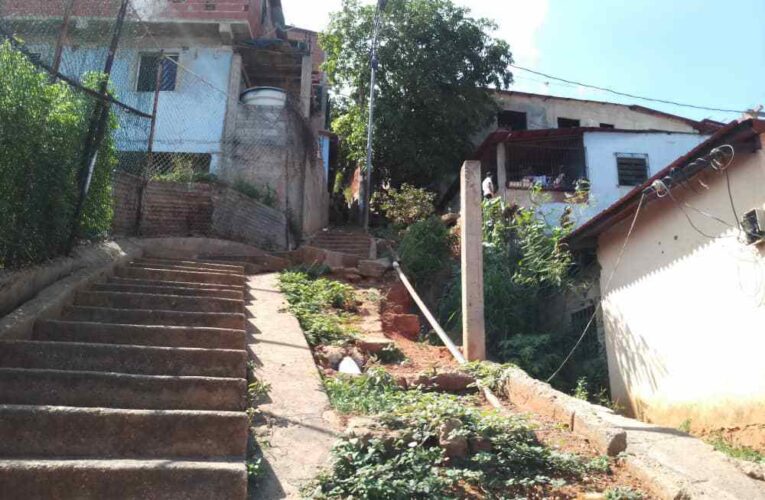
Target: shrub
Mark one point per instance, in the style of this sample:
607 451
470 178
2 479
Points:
318 305
265 195
411 464
425 248
42 131
405 206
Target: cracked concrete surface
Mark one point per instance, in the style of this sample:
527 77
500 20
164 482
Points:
295 438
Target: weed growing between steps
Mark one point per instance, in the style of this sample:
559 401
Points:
431 445
320 305
257 392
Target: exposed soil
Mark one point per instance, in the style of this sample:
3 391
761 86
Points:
421 356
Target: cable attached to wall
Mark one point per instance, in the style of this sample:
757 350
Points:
608 283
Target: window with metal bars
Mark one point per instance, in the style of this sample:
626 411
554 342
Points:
147 72
632 170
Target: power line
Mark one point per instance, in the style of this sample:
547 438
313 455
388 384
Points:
608 284
624 94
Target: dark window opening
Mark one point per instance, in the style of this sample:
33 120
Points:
607 125
633 171
35 58
210 5
147 73
264 12
568 123
514 120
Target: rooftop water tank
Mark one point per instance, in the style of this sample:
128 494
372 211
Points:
264 96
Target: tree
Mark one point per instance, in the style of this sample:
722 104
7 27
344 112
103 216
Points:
437 64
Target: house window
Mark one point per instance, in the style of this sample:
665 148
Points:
568 123
633 169
514 120
147 72
607 125
210 5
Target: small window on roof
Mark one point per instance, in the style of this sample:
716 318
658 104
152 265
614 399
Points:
607 125
568 123
514 120
632 169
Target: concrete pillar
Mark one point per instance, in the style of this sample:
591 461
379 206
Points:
473 330
502 171
306 87
231 116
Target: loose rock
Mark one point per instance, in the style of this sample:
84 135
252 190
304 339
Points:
374 268
453 446
373 345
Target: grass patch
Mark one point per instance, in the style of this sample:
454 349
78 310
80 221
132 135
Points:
740 452
265 195
511 462
322 306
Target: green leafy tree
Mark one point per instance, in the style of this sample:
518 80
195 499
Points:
42 127
436 66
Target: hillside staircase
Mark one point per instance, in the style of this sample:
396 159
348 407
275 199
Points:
138 390
349 242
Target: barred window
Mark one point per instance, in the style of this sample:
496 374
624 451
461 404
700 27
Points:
633 170
147 72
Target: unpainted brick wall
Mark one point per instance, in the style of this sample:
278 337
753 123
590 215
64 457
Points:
125 194
196 209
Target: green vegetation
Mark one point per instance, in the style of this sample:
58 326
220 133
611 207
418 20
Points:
183 171
527 269
403 207
257 390
425 249
740 452
623 493
685 426
406 460
439 63
42 132
265 195
320 306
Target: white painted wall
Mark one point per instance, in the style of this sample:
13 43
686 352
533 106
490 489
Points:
685 314
542 112
601 149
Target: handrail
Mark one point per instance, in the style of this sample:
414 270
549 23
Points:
490 397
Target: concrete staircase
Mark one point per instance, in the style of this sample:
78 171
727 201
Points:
137 391
343 241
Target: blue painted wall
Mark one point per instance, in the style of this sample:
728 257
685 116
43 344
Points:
190 119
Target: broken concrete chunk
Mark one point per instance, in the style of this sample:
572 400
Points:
349 366
451 381
454 446
450 219
373 345
374 268
330 356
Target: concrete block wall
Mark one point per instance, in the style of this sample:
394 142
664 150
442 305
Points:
126 191
196 209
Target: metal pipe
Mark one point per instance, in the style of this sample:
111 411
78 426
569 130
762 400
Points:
61 40
365 194
453 349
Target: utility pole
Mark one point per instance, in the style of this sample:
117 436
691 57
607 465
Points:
365 189
61 40
97 127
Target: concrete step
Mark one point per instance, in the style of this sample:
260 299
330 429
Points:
123 359
62 431
194 263
123 479
124 300
267 262
182 267
145 335
154 317
152 273
119 390
220 293
175 284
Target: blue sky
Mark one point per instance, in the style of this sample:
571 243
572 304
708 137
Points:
703 52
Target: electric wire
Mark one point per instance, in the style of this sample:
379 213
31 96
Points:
625 94
608 283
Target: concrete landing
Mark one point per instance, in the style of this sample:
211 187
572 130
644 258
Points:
295 438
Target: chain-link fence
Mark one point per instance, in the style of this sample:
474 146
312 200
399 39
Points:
171 110
62 123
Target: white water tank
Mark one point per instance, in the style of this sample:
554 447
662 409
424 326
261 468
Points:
264 96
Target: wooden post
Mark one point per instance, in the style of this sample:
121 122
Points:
502 171
473 334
